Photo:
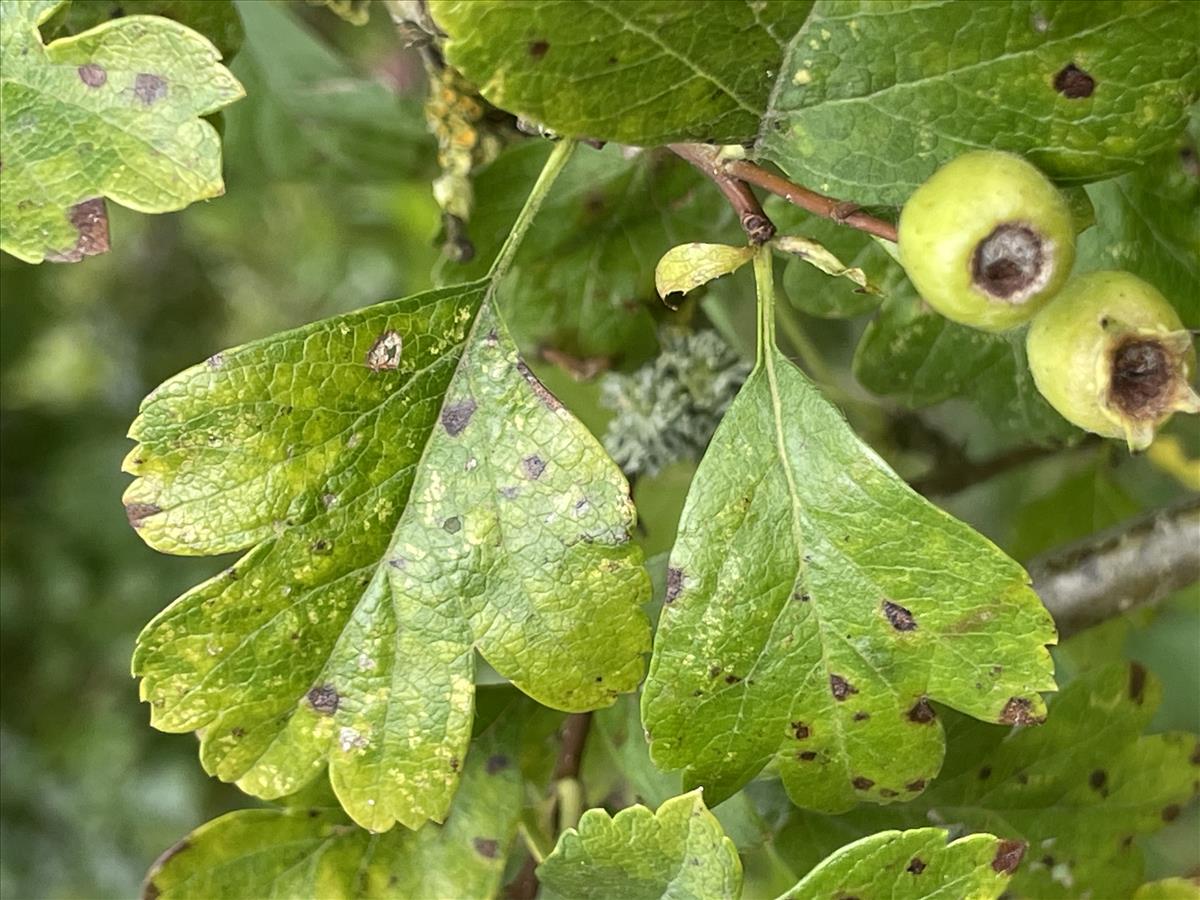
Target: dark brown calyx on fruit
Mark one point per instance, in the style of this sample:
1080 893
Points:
1142 385
1012 263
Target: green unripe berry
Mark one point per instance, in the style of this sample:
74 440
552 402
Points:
1111 355
987 240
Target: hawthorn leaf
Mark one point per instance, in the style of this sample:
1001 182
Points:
907 865
679 851
318 852
647 73
1078 790
409 493
823 260
911 352
873 97
585 286
816 608
113 112
810 289
688 266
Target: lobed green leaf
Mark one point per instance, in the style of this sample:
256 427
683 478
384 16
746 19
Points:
314 851
816 607
410 493
113 112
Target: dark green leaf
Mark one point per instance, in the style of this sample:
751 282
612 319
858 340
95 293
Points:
910 352
873 97
643 73
585 284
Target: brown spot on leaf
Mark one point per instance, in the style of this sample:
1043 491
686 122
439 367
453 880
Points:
497 763
862 783
323 699
1019 711
985 773
534 466
1171 813
1008 856
1137 682
149 88
454 764
802 596
456 416
93 75
1098 779
1194 759
150 890
800 730
322 546
674 584
922 712
861 716
537 49
543 393
453 525
915 786
807 755
714 671
901 618
1074 83
138 513
384 355
841 688
888 792
917 865
237 732
486 847
89 218
732 679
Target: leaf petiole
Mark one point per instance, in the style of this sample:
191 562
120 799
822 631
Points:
555 163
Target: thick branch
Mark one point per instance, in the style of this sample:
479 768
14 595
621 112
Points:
840 211
1136 564
759 229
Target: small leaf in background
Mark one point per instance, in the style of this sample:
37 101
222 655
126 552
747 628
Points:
113 112
810 289
318 852
1079 789
821 259
585 284
646 73
870 102
1083 503
912 353
816 607
678 851
908 865
411 493
688 266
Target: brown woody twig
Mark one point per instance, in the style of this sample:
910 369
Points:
759 229
839 211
